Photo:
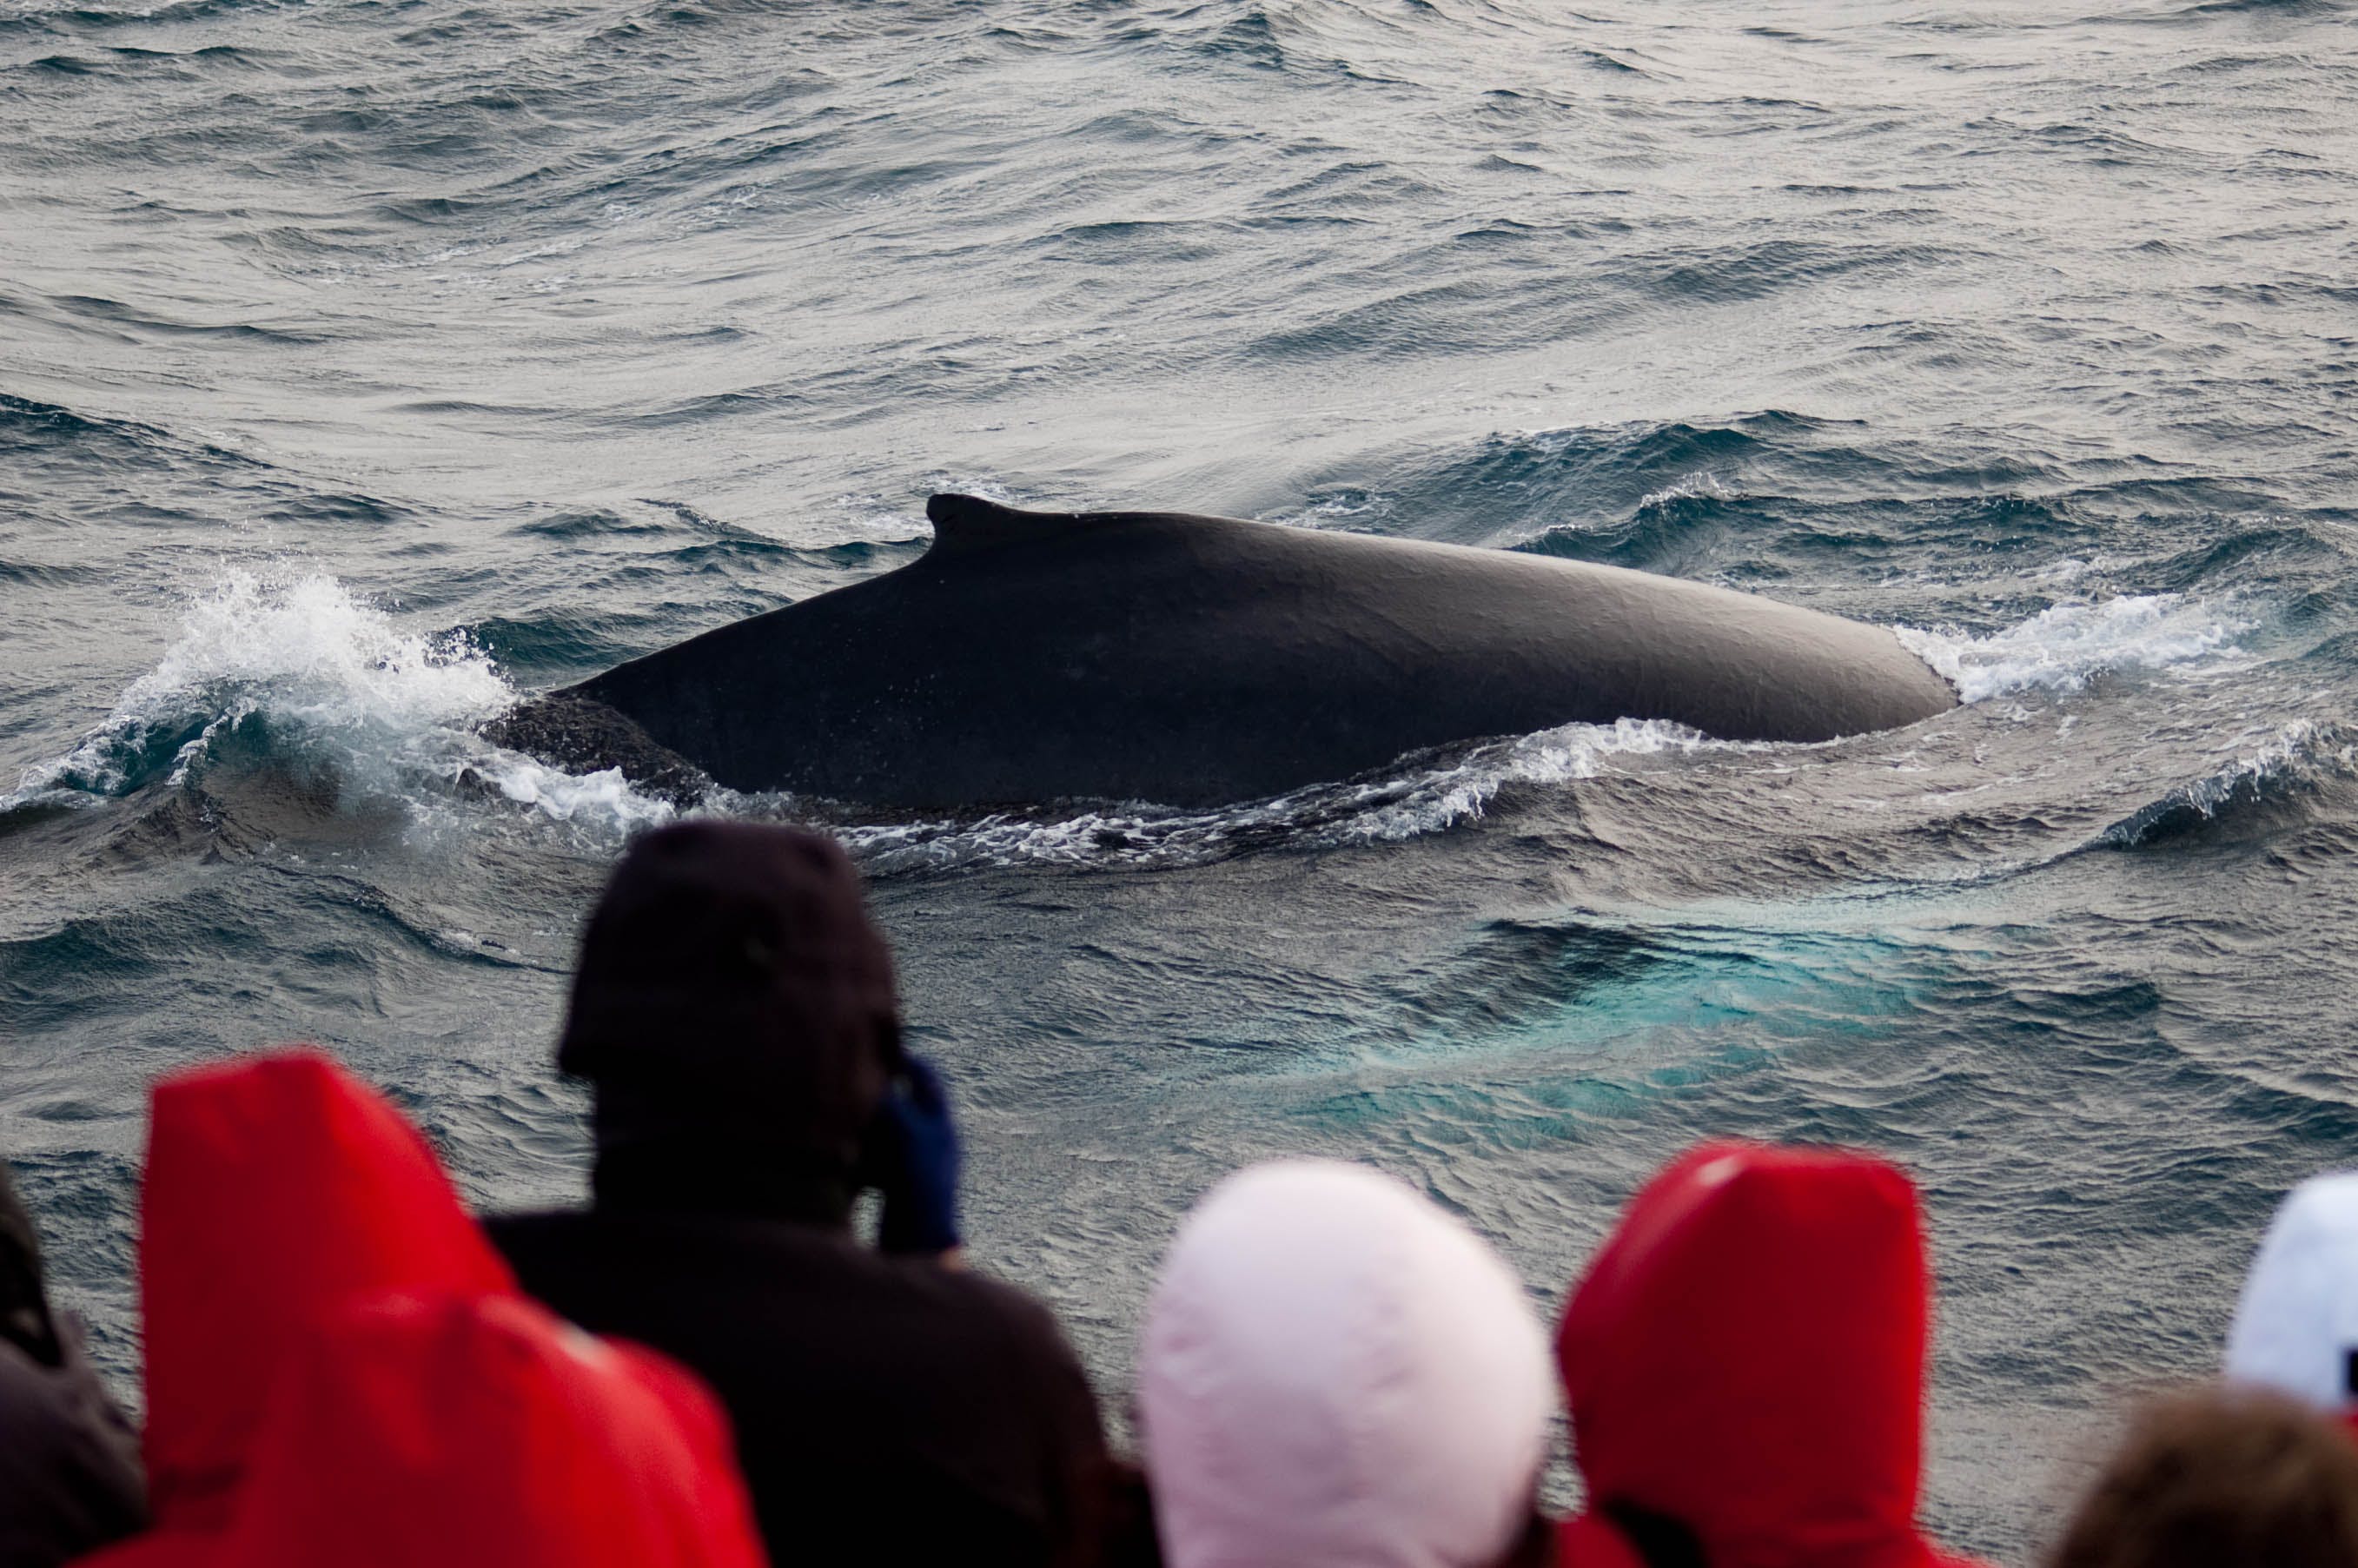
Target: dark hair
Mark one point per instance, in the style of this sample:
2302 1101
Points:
2219 1477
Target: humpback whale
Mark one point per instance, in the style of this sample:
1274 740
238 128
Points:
1032 657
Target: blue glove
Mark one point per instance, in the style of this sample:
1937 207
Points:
919 1177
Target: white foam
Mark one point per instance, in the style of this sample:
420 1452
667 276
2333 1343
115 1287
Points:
2064 647
1694 486
394 708
1443 797
1405 805
298 646
1350 510
604 797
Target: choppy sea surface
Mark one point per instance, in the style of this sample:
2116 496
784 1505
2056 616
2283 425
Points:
364 363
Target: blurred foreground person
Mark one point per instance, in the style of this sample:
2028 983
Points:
435 1431
1335 1374
340 1369
1744 1364
734 1010
69 1477
2223 1478
2296 1327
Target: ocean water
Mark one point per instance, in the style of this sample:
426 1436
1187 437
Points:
364 363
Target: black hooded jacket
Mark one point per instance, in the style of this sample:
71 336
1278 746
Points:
887 1410
734 1008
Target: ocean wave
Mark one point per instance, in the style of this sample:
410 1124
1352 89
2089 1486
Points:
2065 646
299 647
2292 764
1556 491
294 656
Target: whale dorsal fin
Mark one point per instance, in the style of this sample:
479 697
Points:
967 523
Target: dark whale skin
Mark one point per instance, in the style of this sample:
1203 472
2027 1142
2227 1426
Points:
1194 661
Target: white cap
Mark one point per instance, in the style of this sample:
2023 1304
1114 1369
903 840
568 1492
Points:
1335 1372
2296 1329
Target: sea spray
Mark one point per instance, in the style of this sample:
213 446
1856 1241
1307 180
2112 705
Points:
2064 647
391 707
297 645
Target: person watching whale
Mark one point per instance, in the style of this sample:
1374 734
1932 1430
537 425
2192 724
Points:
1744 1364
1335 1372
734 1010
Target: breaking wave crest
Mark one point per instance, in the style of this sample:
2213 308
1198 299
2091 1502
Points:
297 648
2293 763
2064 647
296 656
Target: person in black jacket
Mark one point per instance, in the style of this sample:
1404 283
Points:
734 1010
70 1476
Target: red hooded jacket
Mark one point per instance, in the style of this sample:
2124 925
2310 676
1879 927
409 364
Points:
1746 1357
444 1432
280 1196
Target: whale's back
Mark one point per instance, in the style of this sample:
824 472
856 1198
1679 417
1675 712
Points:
1189 660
